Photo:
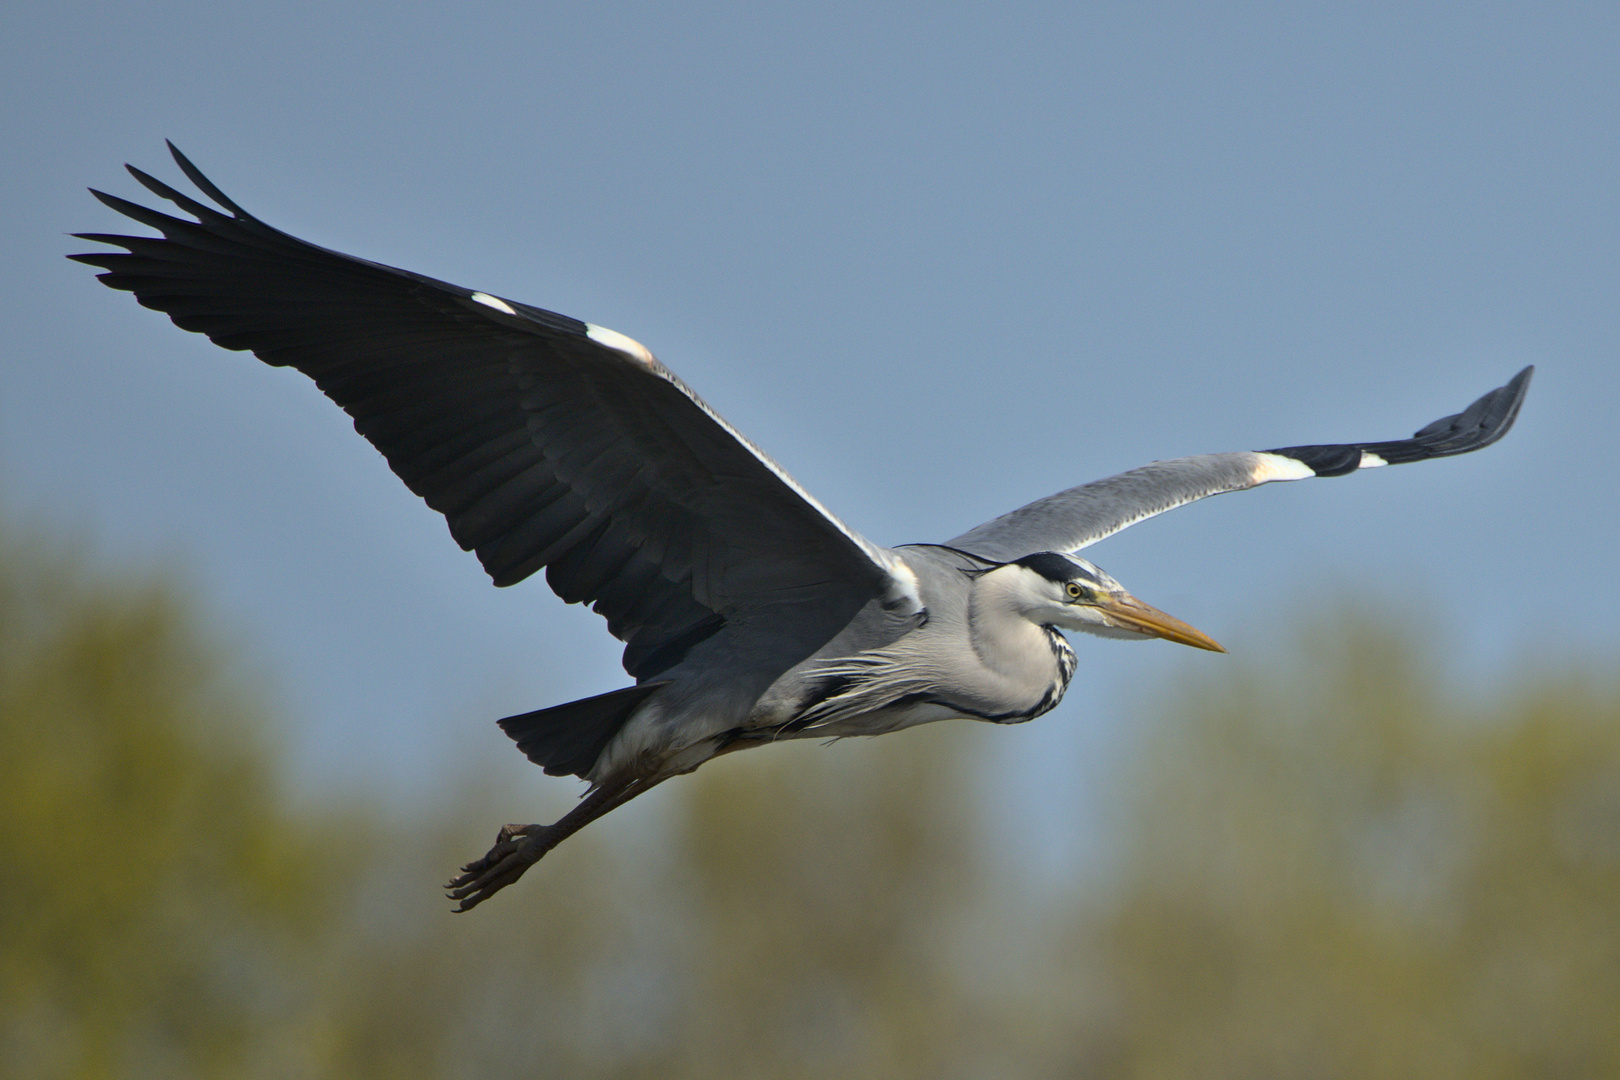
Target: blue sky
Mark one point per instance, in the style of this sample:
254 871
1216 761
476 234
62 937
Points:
939 260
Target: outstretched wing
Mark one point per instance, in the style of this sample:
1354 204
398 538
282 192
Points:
545 441
1082 515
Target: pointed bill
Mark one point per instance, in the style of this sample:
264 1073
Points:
1129 613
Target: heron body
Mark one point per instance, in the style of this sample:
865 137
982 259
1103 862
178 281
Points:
971 641
749 611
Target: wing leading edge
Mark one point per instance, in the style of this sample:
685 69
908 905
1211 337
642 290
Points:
1080 516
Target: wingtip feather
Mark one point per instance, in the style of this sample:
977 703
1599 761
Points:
205 185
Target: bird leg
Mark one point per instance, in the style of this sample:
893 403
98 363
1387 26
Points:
518 847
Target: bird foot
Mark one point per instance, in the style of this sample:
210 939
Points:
516 848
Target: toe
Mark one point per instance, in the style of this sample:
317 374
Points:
470 890
502 865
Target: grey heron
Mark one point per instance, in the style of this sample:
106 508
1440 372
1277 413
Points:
749 612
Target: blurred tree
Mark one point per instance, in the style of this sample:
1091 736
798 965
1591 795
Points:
826 889
1328 869
798 913
165 912
1334 870
157 904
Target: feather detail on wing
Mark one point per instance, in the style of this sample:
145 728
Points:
545 441
1083 515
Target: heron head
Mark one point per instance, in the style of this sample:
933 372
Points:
1058 589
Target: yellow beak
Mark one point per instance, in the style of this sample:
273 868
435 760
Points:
1129 613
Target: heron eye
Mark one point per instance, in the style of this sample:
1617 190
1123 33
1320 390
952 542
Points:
1075 591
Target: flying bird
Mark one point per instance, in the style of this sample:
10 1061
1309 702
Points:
749 612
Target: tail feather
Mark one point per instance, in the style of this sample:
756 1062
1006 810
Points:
566 740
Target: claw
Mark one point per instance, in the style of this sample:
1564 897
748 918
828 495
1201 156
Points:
504 845
516 848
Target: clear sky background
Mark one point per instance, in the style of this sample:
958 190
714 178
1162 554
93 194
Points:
938 259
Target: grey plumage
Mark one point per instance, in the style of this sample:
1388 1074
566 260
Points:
1081 516
749 612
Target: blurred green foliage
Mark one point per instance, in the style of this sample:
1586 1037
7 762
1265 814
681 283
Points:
1337 868
157 909
1330 866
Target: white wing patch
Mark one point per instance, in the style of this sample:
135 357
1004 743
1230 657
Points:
619 343
495 302
1370 460
1269 467
905 592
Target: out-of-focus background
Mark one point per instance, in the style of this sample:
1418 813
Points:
939 262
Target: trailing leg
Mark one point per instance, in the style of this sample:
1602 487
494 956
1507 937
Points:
518 847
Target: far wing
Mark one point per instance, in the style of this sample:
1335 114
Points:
1082 515
545 441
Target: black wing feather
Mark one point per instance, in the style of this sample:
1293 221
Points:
1476 427
540 445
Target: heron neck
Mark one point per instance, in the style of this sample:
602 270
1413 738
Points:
1009 644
